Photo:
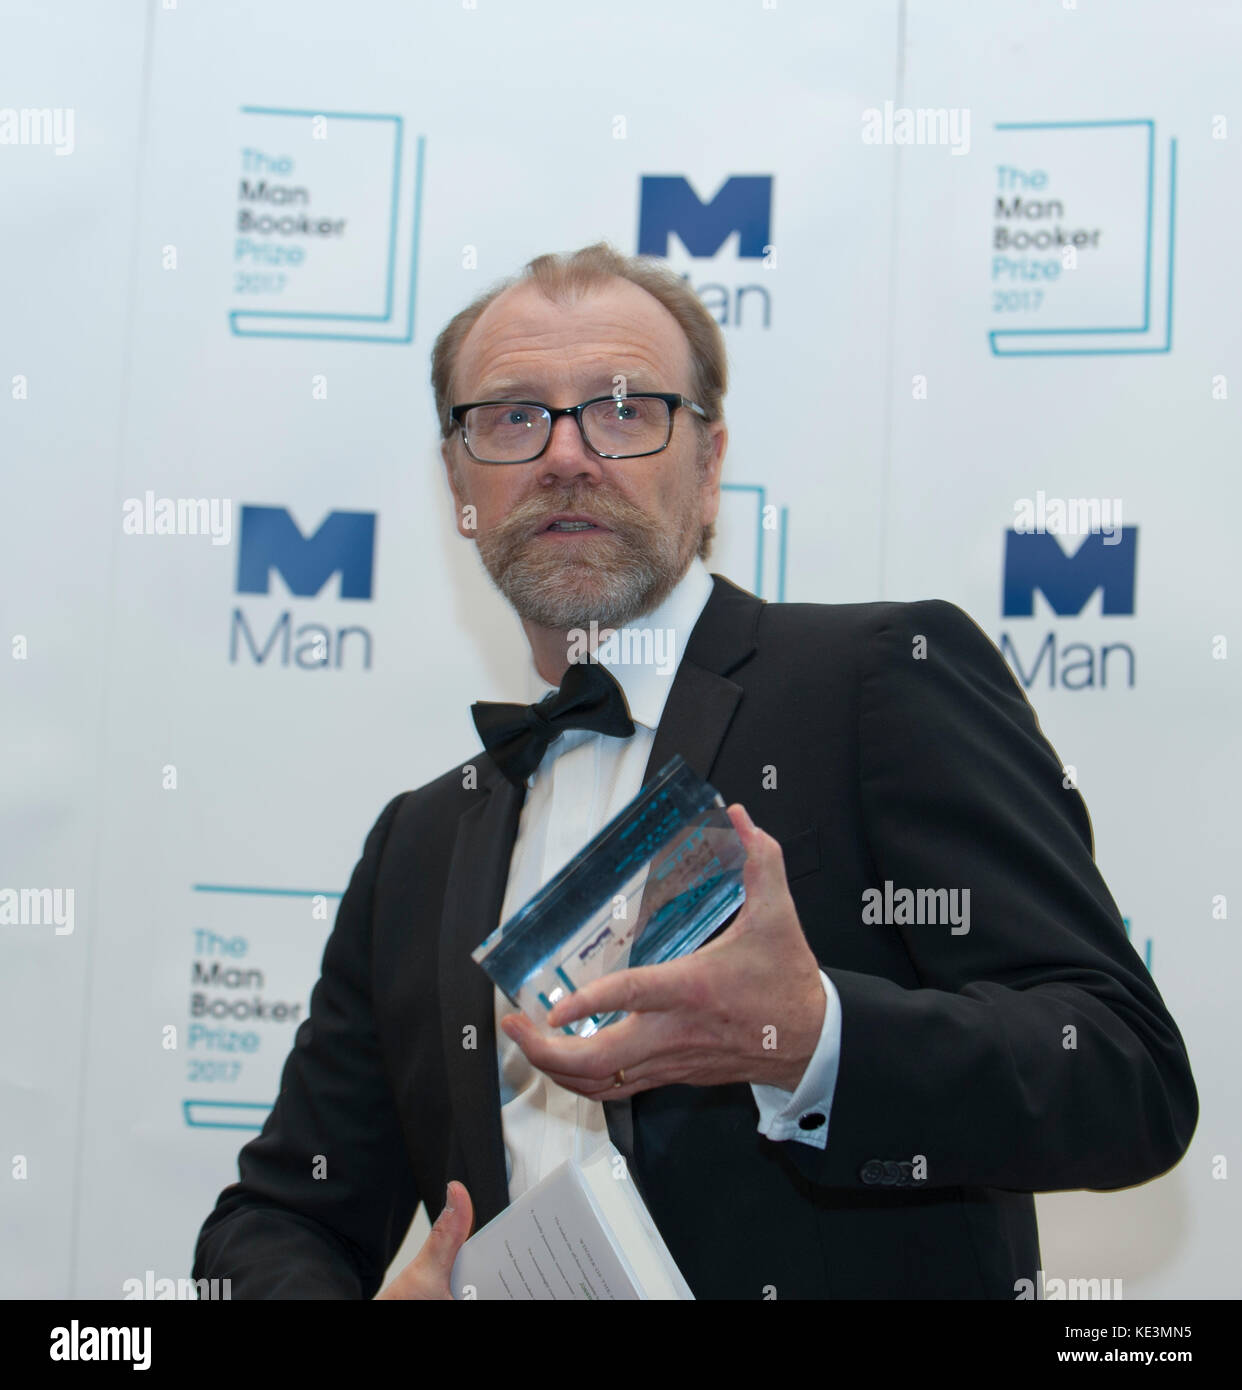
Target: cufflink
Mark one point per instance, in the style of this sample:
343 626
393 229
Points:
889 1173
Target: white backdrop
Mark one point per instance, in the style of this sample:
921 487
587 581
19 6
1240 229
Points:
898 385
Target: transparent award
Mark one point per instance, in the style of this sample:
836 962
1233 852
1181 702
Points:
653 885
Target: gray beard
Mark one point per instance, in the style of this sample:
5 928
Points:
642 566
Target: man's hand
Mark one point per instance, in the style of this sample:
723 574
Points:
427 1274
748 1006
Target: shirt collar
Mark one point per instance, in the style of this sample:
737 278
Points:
644 655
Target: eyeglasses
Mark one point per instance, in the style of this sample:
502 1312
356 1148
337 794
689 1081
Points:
614 427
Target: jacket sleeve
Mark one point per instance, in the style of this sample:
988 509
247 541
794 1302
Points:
325 1195
1036 1053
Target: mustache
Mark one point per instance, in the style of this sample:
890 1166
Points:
614 512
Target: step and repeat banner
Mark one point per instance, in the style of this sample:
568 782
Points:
975 267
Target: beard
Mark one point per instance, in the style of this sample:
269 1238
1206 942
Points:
610 580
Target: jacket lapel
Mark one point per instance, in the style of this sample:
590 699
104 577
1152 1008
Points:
702 699
473 898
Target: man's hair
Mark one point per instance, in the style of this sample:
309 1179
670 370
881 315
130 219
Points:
565 278
568 277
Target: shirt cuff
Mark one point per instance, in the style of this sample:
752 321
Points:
803 1114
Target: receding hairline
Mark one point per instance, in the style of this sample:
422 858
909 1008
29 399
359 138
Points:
568 296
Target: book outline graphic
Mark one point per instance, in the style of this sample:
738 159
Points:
229 1113
1075 342
760 494
246 323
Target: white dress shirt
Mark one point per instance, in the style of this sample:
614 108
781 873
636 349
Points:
583 780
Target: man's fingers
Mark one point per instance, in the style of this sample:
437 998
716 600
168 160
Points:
558 1055
592 1088
763 874
652 988
428 1274
644 989
451 1228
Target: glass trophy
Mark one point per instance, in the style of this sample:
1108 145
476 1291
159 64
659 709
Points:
653 885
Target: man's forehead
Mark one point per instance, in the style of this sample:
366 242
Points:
522 337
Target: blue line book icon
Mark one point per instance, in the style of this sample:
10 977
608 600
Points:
1106 189
325 243
225 1114
745 550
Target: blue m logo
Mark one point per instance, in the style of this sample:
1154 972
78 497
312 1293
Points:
270 539
669 204
1035 560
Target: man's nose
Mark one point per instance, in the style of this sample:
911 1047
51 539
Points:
567 455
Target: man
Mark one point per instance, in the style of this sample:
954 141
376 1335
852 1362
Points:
832 1098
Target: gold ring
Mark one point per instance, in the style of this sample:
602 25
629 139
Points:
619 1079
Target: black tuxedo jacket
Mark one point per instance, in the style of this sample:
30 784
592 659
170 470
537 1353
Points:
1031 1053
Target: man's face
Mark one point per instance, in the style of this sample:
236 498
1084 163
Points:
645 514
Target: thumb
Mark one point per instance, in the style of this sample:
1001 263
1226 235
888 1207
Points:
763 874
451 1228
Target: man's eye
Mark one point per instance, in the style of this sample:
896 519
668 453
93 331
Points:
517 416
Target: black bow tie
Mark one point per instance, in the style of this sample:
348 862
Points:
518 735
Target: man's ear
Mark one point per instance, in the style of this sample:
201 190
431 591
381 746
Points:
711 465
463 513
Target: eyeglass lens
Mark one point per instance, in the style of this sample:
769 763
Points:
512 432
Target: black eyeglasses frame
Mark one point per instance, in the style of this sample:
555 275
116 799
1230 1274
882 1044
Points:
672 399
